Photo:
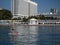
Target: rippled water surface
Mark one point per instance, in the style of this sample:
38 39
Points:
4 37
30 35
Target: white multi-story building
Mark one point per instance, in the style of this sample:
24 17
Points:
23 8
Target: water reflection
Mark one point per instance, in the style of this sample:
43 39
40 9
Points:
27 36
30 35
33 33
38 35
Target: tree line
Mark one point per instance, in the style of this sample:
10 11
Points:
39 17
5 14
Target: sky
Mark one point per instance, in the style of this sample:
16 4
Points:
44 6
6 4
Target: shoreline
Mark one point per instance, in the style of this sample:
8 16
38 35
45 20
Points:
38 25
6 24
29 25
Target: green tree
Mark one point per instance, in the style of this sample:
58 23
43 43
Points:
16 18
41 17
5 14
24 19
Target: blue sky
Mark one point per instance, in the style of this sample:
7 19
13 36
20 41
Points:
6 4
43 5
46 5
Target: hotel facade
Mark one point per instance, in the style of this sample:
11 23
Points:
21 8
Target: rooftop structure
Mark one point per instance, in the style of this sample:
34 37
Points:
53 11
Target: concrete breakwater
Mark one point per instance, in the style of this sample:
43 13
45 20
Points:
10 22
49 21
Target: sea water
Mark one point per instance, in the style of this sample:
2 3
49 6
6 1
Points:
31 35
5 38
